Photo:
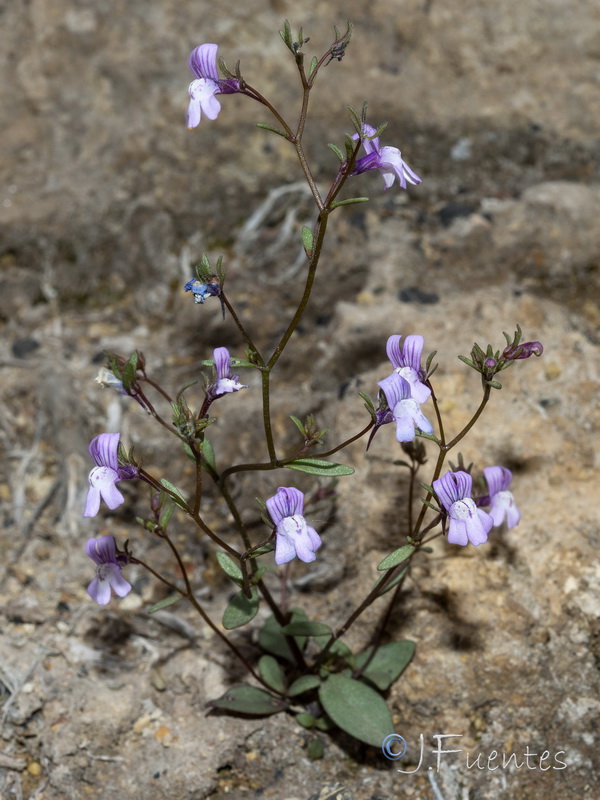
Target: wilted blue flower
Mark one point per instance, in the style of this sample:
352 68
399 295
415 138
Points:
202 91
388 160
405 409
108 380
293 536
201 290
501 500
467 522
108 572
407 363
226 381
103 449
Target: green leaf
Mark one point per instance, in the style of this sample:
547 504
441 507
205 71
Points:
166 512
240 610
298 424
307 240
313 66
271 673
266 127
395 581
349 202
260 551
315 750
388 663
337 151
209 454
249 700
306 628
319 466
368 404
179 499
397 557
273 640
230 568
303 684
164 603
306 720
357 709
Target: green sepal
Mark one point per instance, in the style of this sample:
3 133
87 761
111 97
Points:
468 362
266 127
270 671
241 610
388 663
337 151
164 603
431 506
397 557
249 700
319 466
357 709
431 436
298 424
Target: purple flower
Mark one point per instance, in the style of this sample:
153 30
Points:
293 536
108 572
467 522
103 449
523 350
202 91
501 499
386 159
226 381
405 409
407 363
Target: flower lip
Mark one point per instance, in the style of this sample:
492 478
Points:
467 523
293 536
109 564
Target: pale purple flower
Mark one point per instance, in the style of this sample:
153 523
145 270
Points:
294 537
405 409
407 363
226 381
467 522
103 449
501 500
388 160
202 91
108 572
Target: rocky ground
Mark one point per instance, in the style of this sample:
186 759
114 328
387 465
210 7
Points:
108 201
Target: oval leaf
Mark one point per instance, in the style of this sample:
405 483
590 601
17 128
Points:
164 603
271 673
319 466
303 684
388 663
240 610
178 498
230 568
307 629
397 557
249 700
356 709
273 640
